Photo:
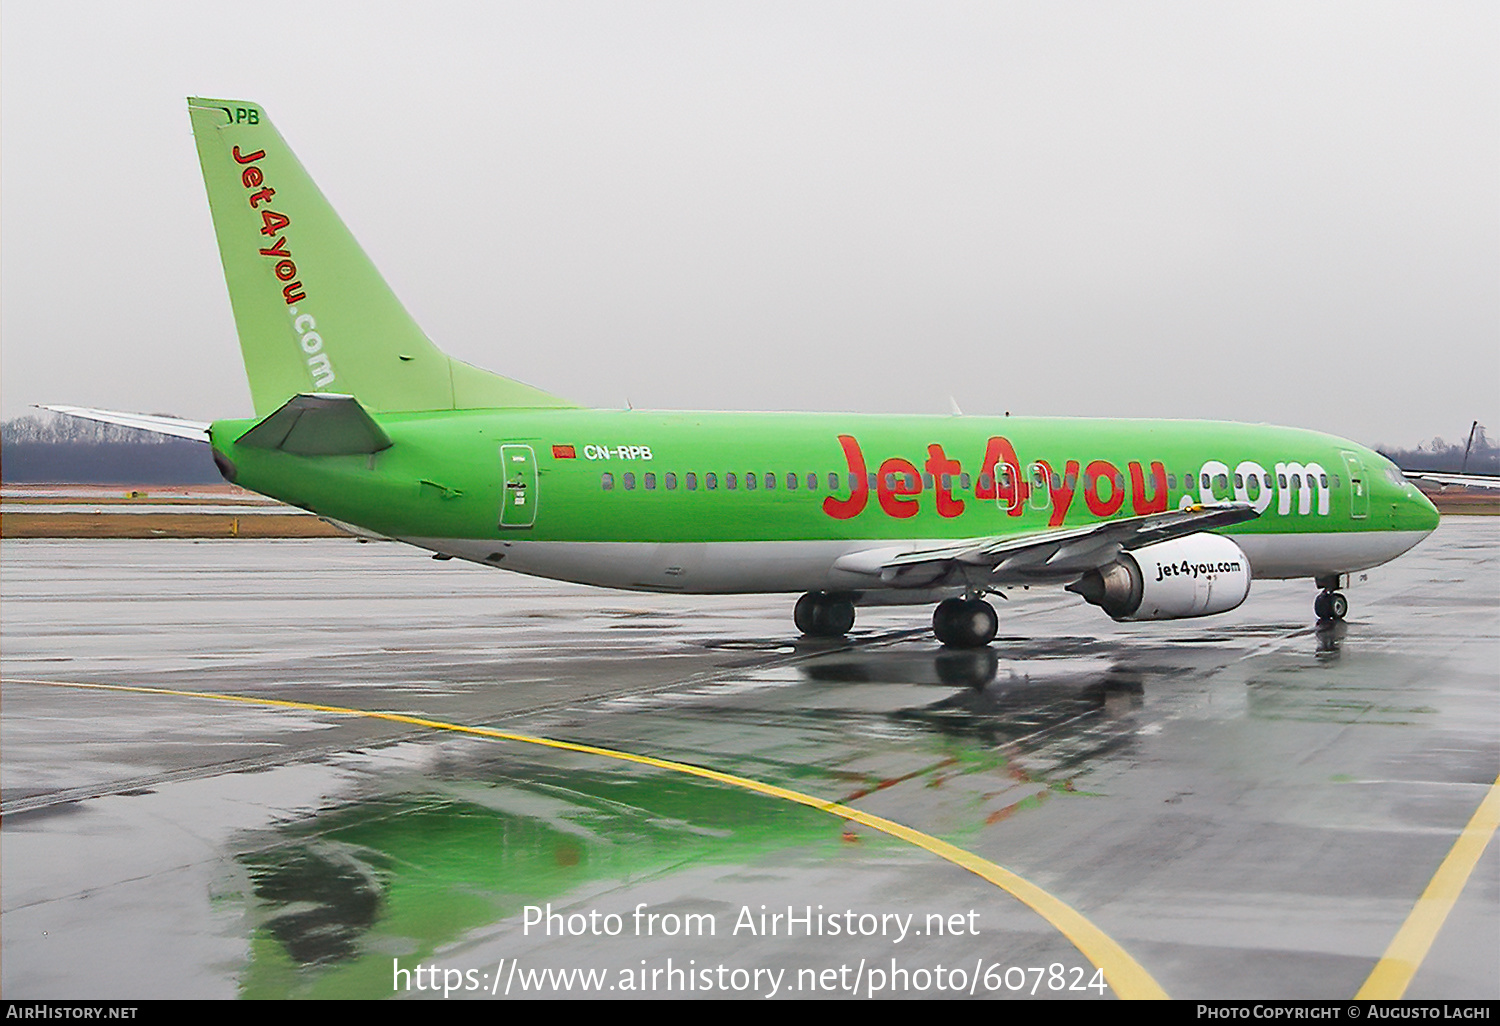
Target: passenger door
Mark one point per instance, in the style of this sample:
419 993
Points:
1359 488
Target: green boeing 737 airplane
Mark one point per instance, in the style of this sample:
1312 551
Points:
362 420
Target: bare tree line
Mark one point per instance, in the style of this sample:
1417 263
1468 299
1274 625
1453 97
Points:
69 450
1439 456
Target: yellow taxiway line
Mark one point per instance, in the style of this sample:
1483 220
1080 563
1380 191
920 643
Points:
1394 972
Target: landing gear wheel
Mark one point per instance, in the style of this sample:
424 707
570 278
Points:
965 623
802 612
1331 605
821 615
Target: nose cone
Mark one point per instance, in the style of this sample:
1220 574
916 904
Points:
1421 513
1411 511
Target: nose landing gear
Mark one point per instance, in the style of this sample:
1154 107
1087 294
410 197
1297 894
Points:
1330 604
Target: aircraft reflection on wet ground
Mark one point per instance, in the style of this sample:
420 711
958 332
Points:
417 870
1074 700
334 895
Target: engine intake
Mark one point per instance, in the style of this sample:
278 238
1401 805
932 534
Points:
1193 576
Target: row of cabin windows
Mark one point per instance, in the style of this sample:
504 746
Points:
1222 481
732 482
1039 479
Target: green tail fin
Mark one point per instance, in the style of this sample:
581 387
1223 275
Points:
313 313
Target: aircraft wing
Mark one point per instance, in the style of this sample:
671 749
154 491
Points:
1062 553
195 430
1464 480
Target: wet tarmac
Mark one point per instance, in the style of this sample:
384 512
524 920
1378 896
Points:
1247 805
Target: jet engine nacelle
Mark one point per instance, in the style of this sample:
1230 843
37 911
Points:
1192 576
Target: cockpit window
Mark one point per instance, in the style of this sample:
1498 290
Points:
1396 477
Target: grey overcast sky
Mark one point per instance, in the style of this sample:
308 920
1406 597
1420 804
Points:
1257 211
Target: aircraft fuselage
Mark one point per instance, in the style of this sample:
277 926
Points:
735 502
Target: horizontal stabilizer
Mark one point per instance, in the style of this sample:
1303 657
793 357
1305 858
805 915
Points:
191 429
319 424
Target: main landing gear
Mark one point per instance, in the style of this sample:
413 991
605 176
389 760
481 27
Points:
957 622
821 614
965 622
1330 603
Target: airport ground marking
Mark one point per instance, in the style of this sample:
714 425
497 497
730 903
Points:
1394 972
1126 976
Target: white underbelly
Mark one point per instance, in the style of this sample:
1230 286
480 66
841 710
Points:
1277 556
